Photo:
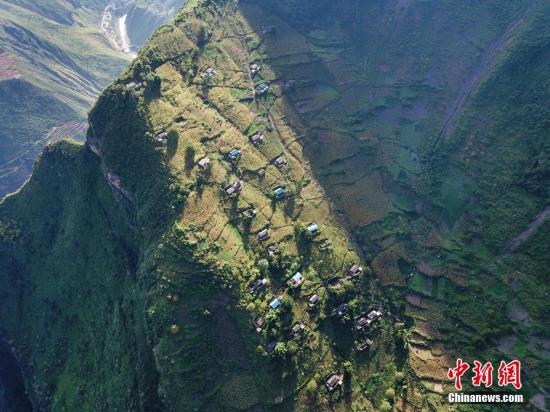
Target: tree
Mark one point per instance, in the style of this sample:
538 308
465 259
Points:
311 387
189 157
263 264
172 142
385 406
390 394
280 350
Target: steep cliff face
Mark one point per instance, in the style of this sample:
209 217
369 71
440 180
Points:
135 265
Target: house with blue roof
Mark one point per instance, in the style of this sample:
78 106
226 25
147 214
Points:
279 193
234 154
275 304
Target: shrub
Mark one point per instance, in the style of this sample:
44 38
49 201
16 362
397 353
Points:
189 157
385 406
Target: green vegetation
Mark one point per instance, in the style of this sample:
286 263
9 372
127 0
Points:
167 254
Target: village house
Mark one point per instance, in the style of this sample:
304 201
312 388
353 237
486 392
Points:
162 136
296 280
354 271
275 304
362 323
255 68
133 85
334 381
279 193
271 249
203 163
374 314
209 73
298 328
313 229
259 323
313 300
280 162
235 188
257 285
262 88
263 235
342 309
257 139
234 154
361 346
250 212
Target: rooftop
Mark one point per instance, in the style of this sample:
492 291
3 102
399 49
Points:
313 229
279 192
262 88
235 188
354 270
263 235
313 300
333 382
203 163
257 138
374 314
342 309
296 280
275 303
362 322
255 68
299 327
257 285
361 346
234 153
280 161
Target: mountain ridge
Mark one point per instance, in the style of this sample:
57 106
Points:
186 246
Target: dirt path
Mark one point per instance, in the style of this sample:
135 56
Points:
476 74
527 233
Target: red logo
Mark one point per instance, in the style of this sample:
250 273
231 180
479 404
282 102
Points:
483 374
508 373
457 372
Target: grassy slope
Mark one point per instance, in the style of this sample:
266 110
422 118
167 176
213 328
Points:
196 255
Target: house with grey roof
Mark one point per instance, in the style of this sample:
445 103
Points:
280 161
263 235
334 382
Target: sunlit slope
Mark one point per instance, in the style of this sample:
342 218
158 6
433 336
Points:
174 269
144 246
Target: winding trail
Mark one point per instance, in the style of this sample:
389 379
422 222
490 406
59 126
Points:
532 228
476 73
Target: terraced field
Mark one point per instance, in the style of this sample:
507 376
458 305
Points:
8 67
236 173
